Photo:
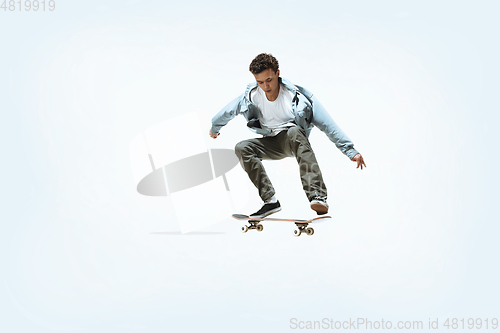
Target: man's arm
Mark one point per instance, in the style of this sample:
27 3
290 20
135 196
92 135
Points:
227 113
323 120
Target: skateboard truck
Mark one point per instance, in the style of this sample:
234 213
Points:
303 227
253 225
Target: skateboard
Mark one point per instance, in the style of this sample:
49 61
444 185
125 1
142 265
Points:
255 223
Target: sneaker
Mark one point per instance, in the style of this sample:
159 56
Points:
319 205
267 209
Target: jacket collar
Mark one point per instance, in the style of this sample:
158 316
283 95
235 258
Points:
289 85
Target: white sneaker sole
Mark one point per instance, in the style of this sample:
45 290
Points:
319 207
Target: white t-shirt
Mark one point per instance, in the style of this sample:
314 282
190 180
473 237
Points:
275 115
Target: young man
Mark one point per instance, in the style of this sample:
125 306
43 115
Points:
284 114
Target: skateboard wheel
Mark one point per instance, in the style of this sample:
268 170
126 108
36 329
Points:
244 229
260 227
310 231
297 233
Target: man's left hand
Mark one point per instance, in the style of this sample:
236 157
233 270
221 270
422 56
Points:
359 159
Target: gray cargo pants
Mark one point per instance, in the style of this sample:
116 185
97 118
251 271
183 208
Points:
289 142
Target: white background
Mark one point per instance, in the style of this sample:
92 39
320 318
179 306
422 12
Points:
413 236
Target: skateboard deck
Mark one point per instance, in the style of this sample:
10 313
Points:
255 223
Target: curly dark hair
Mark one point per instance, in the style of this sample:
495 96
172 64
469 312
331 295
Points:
262 62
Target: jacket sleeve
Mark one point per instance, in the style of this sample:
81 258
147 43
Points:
226 114
323 120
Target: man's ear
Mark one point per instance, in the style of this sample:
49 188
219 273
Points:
278 72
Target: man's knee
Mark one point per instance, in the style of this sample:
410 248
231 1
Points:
242 148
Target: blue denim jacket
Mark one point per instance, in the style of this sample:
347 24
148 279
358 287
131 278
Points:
306 107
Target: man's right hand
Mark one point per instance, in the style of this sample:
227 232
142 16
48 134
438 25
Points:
212 135
359 160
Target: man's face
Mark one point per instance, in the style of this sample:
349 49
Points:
268 81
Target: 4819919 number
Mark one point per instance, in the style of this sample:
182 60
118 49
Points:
471 323
28 5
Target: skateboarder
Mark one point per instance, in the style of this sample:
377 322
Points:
284 114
